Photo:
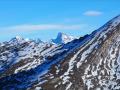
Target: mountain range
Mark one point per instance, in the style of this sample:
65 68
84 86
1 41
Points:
91 62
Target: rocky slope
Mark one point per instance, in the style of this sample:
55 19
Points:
91 62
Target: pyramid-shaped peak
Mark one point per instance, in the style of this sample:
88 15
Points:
62 38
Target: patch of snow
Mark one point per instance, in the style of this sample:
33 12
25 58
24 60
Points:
68 86
38 88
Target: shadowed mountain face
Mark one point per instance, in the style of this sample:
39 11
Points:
91 62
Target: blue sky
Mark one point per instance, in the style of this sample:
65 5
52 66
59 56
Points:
45 18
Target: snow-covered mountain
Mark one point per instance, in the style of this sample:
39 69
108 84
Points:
62 38
91 62
17 40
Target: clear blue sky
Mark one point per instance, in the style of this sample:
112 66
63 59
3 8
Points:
45 18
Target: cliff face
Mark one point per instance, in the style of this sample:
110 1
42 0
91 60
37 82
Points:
91 62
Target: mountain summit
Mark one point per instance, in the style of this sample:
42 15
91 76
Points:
17 39
91 62
62 38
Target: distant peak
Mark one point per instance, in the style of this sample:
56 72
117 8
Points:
17 40
62 38
61 33
38 41
18 37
